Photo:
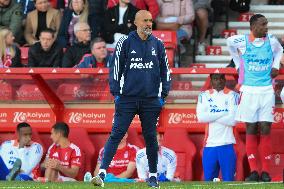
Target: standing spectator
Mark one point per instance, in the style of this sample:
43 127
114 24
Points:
123 164
78 11
167 162
178 16
99 57
63 159
218 107
74 54
202 8
119 21
47 52
10 54
43 17
138 57
150 5
257 57
20 158
11 16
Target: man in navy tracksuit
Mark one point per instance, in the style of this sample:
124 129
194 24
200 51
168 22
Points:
140 82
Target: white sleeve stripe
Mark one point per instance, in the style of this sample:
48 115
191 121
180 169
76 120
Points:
117 54
167 63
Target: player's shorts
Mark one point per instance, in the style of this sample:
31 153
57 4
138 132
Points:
64 179
256 107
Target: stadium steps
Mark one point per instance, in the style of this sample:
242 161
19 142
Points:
267 8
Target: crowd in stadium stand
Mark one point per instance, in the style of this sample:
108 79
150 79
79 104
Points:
22 23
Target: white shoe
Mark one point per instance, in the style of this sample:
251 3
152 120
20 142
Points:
88 177
98 180
201 48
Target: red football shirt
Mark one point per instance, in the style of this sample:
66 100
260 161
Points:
121 159
70 156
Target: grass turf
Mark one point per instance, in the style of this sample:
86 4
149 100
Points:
182 185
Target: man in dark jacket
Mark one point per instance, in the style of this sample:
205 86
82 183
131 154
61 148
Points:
75 53
11 15
119 20
140 82
46 52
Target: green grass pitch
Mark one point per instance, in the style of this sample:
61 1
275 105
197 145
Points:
181 185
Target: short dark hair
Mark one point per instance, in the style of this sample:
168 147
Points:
61 127
48 30
22 125
96 40
212 74
254 19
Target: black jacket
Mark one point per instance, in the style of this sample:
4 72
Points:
40 58
111 22
74 54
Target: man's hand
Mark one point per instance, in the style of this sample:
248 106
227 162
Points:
53 164
274 72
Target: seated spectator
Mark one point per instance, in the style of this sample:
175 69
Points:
77 11
150 5
177 16
10 54
47 52
119 21
27 6
99 57
167 162
19 158
202 8
63 159
74 54
43 17
11 16
123 163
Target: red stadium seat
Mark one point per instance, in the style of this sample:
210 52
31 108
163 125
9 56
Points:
277 162
170 41
6 92
79 137
29 92
178 140
24 55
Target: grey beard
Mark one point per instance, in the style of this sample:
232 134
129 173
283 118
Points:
146 31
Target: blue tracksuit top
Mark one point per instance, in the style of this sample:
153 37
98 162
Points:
139 68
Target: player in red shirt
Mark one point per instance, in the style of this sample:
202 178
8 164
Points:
63 159
123 163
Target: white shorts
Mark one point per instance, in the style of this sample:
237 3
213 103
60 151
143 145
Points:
256 107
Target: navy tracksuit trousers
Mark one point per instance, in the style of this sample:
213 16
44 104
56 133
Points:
126 108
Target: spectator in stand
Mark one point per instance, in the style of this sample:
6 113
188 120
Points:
119 21
178 16
43 17
20 158
123 164
74 54
47 52
63 159
78 11
167 162
11 16
10 54
27 6
99 57
202 9
150 5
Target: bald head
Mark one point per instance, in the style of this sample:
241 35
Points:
143 21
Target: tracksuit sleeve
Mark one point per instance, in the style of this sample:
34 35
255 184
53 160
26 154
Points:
141 166
203 113
277 52
165 73
171 168
229 119
117 64
34 158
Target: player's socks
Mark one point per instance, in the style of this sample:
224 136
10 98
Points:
265 152
251 150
